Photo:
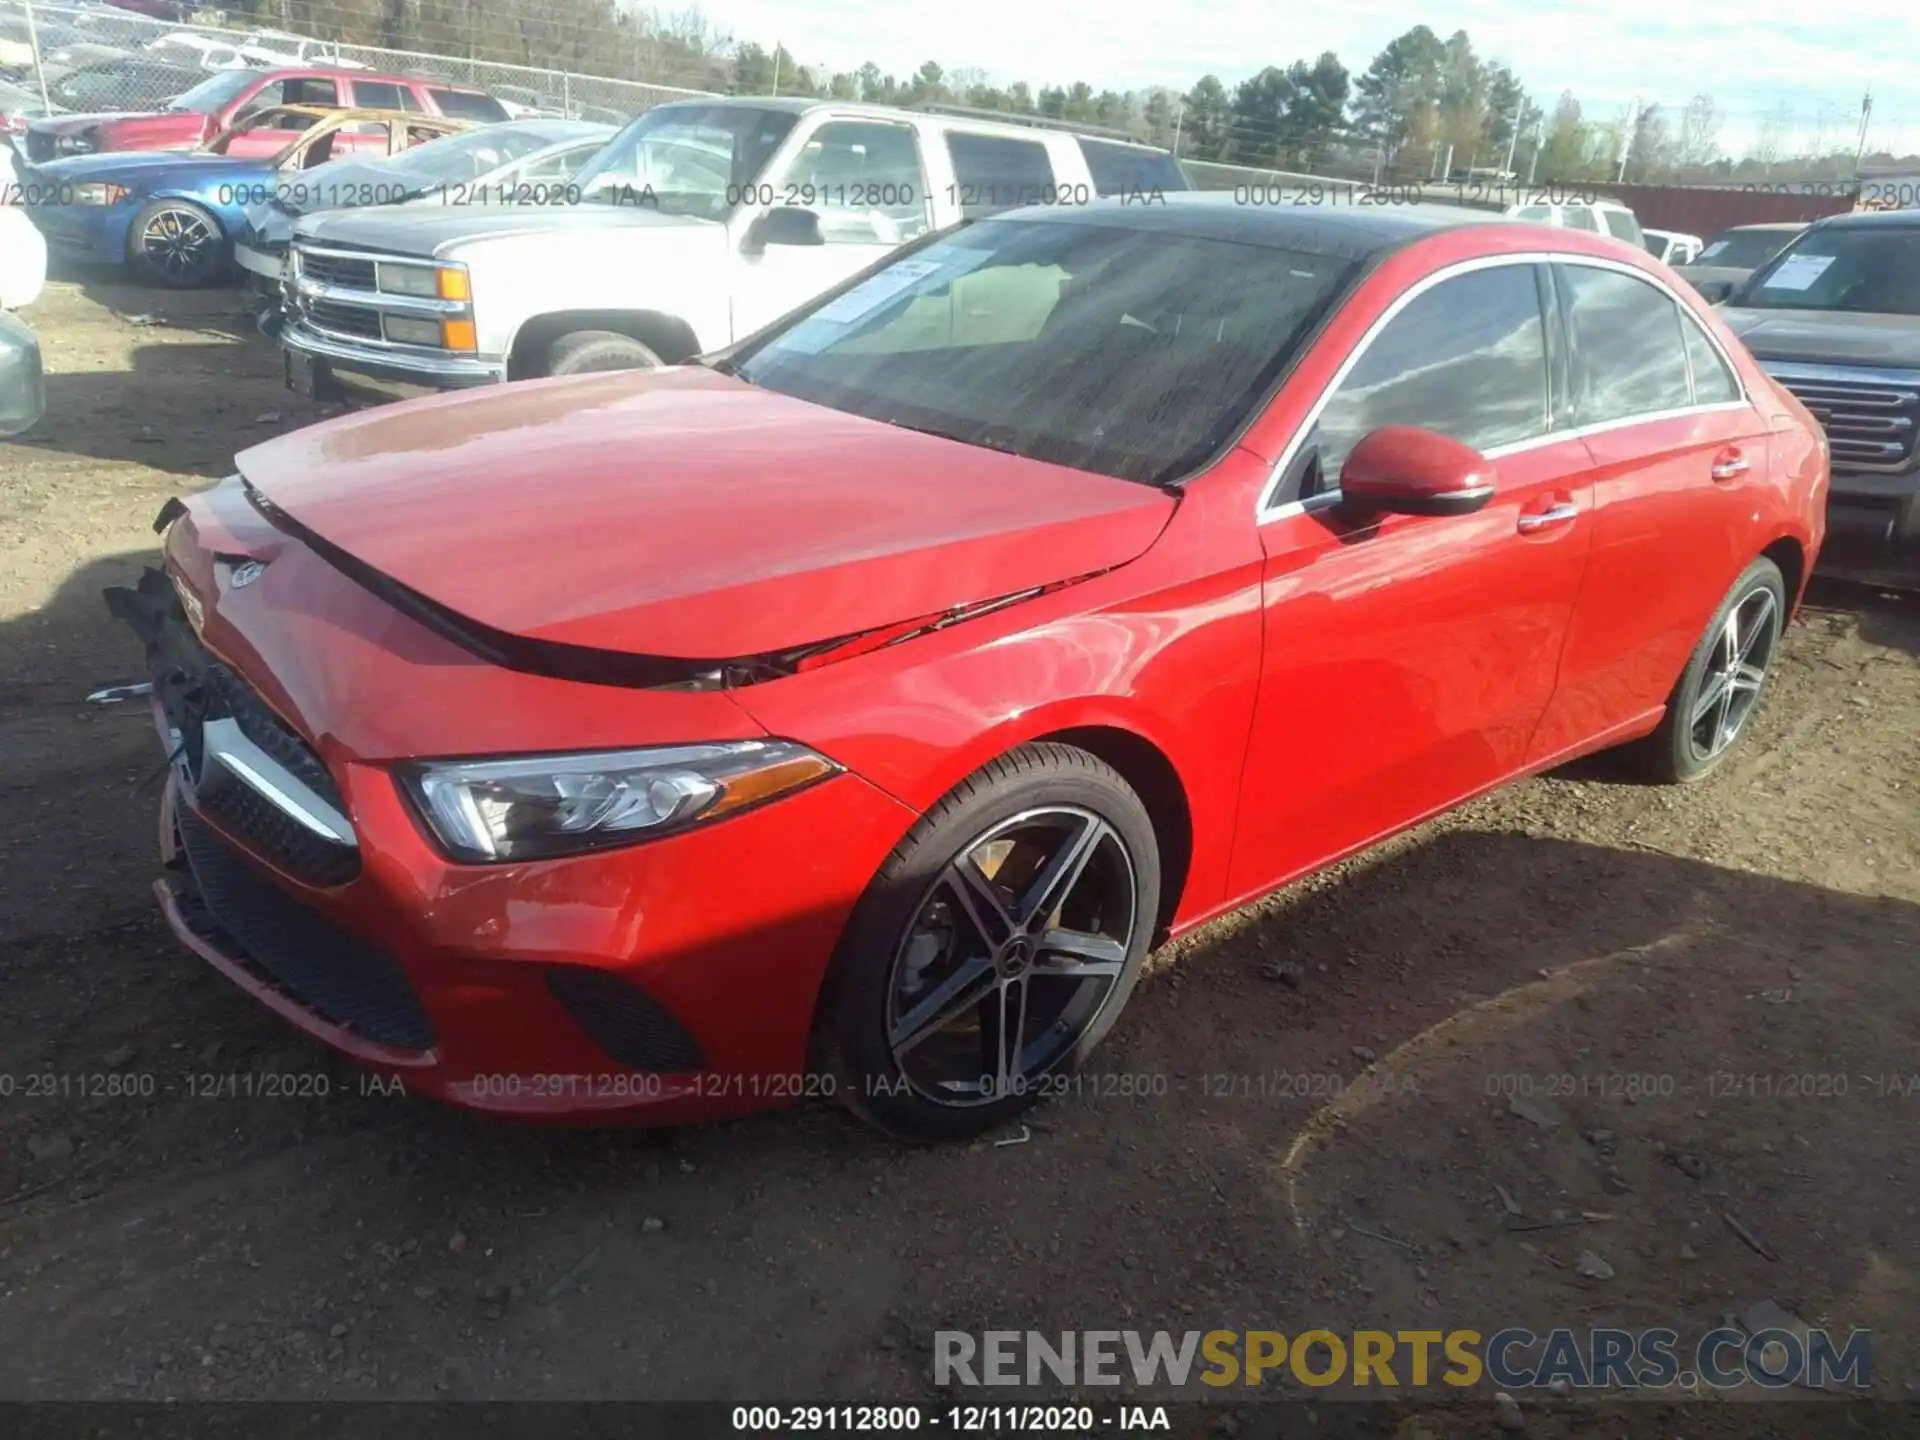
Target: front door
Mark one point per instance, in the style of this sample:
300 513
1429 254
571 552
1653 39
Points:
1407 659
865 181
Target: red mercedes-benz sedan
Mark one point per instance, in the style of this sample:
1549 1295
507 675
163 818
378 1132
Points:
849 713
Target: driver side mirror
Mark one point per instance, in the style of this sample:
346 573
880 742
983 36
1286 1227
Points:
783 225
1714 291
1403 470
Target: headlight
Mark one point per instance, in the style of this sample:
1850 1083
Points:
428 282
97 192
546 805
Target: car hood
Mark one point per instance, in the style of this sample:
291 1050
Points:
431 229
150 168
682 513
1828 337
72 122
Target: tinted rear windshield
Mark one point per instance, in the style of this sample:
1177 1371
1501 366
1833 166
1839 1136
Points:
1126 169
1131 353
1868 270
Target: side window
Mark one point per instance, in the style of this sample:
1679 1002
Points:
311 91
1580 217
266 95
1713 382
377 94
994 173
1622 226
1627 346
469 105
1131 169
864 179
1467 358
1541 213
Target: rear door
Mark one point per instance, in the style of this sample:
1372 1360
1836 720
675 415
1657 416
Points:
1407 660
1677 448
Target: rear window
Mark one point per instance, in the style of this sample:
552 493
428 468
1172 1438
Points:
1125 169
992 172
468 105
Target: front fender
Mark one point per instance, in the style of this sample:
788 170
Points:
1165 648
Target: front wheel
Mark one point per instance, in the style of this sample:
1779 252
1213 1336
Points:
995 948
1720 688
176 243
586 351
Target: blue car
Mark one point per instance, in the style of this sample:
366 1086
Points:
171 217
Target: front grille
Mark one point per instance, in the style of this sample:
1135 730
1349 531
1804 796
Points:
194 688
340 270
623 1020
342 319
40 147
1869 425
333 973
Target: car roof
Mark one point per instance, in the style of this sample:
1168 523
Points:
1872 220
1012 120
1350 232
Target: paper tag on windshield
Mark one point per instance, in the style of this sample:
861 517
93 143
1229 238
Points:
870 294
1798 272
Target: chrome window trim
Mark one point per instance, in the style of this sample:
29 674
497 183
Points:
1266 511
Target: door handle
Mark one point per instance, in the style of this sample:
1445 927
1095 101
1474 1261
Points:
1560 514
1729 467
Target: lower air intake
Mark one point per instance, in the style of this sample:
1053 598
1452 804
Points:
623 1020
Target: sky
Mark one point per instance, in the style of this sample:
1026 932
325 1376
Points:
1812 61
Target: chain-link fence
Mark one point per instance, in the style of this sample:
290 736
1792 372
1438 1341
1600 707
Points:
57 58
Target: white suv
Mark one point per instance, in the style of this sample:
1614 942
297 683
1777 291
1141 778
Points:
1605 217
699 223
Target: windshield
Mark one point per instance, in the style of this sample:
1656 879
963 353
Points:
450 160
1127 352
685 159
214 92
1743 249
1873 270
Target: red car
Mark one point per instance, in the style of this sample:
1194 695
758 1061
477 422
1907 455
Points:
225 97
850 712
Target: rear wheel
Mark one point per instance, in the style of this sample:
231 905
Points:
995 948
176 243
1720 688
585 351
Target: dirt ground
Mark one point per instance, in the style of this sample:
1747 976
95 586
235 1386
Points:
1657 1008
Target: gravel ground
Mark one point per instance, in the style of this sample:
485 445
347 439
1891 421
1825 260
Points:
1661 1008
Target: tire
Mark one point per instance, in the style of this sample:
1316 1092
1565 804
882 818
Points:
177 244
1026 813
1691 741
585 351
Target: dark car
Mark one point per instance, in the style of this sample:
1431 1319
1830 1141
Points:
1835 318
132 84
1734 254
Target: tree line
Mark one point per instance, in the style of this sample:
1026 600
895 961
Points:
1423 107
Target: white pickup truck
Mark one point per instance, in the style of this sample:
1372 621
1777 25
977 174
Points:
701 222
